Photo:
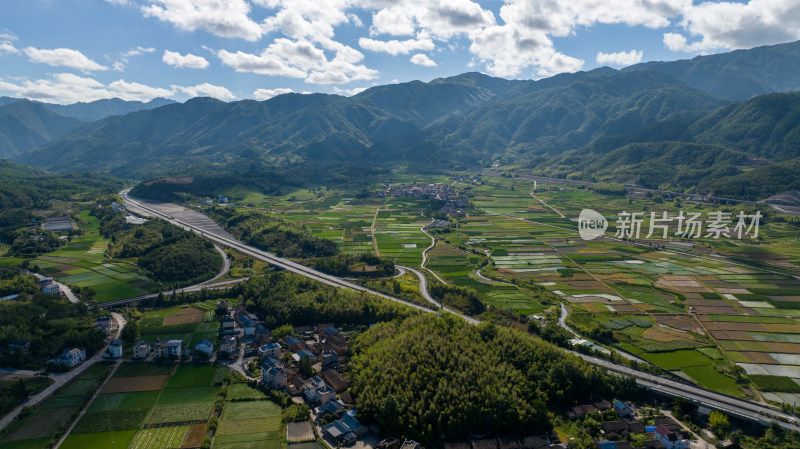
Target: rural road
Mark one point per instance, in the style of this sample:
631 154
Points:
423 287
63 378
737 407
226 265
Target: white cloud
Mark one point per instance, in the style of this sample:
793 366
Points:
122 61
8 35
266 94
67 88
443 19
302 59
189 61
225 18
421 59
395 47
206 90
7 47
63 57
349 92
137 92
621 58
730 25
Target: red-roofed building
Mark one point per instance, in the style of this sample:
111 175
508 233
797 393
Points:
670 439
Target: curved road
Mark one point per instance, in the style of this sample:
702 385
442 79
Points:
737 407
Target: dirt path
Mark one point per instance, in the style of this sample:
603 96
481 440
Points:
549 206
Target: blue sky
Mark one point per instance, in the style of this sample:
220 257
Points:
65 51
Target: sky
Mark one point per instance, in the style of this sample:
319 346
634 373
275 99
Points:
66 51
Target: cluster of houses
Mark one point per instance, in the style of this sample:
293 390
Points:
172 350
222 199
454 201
664 433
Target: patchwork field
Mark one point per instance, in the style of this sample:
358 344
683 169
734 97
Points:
82 262
149 406
248 424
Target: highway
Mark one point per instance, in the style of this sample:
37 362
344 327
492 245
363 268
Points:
736 407
733 406
223 238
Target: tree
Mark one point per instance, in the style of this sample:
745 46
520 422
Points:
719 424
130 333
305 366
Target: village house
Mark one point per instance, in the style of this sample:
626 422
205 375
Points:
228 345
204 348
335 380
228 326
580 411
114 349
168 349
330 359
69 357
23 346
345 430
318 392
623 410
670 439
271 350
329 408
141 350
304 354
275 377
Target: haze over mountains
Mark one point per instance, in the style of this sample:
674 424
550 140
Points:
677 124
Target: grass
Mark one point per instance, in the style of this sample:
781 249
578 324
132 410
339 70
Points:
110 440
244 391
675 360
33 443
124 401
251 409
188 395
133 369
191 376
712 379
242 426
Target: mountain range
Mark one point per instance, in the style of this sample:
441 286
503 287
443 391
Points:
668 124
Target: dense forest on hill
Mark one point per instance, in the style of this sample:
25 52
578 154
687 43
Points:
169 254
431 375
272 233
